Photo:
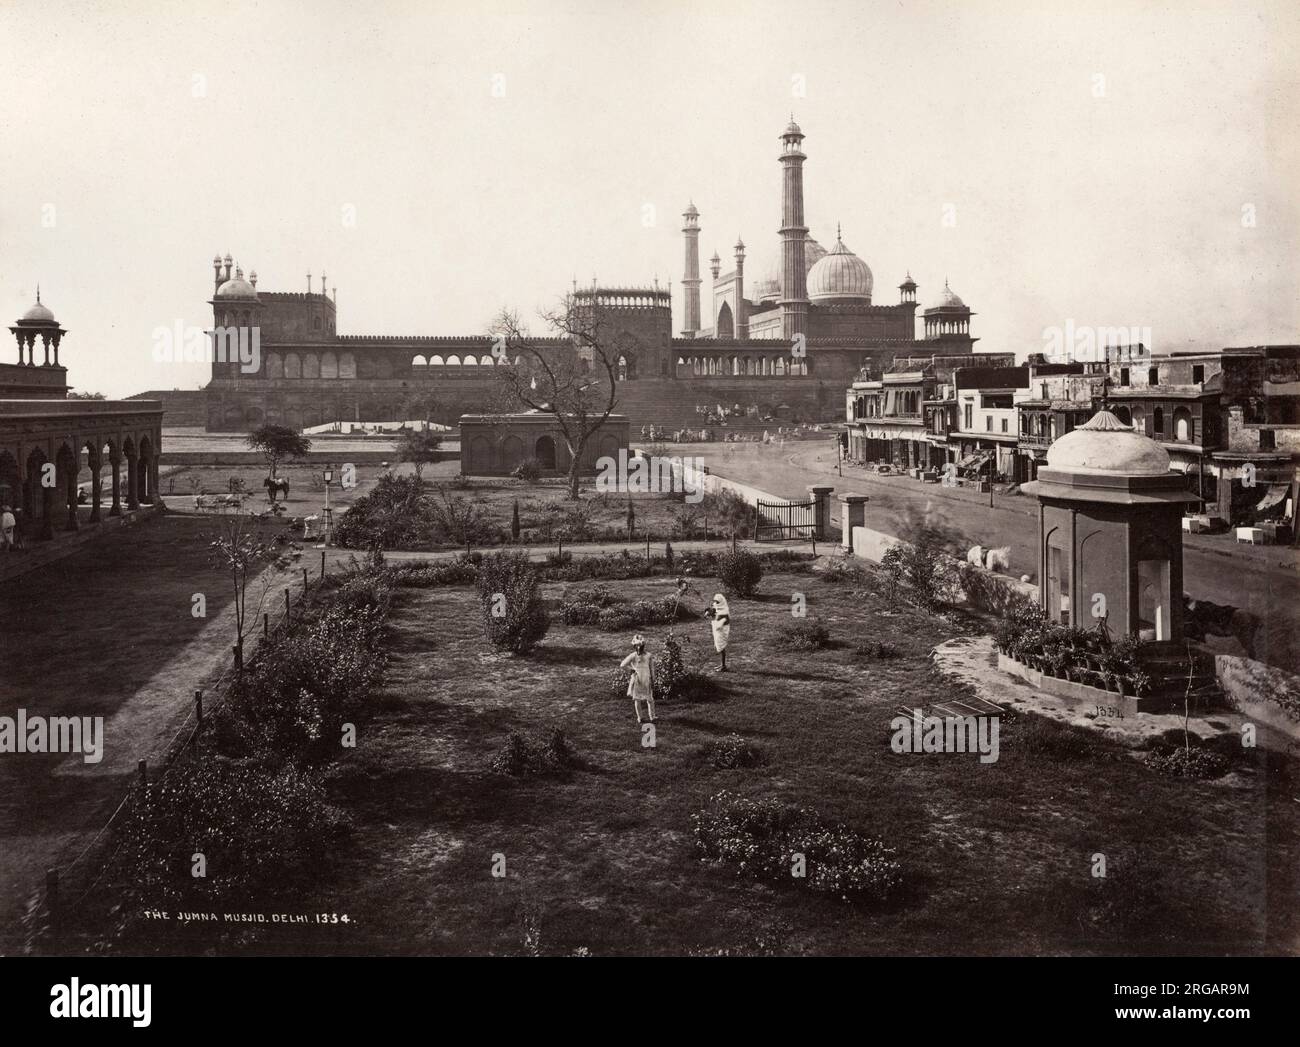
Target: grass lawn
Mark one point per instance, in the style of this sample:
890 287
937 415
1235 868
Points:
996 858
304 498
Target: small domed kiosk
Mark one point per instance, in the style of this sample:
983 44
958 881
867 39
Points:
1110 531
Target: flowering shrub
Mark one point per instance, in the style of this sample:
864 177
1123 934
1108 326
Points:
763 839
462 570
732 752
254 826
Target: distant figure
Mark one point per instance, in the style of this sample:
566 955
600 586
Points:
278 485
640 686
720 621
8 523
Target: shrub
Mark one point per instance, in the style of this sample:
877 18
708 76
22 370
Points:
522 620
732 752
740 572
392 514
460 571
514 757
761 838
668 556
529 470
670 671
514 521
1193 762
927 573
806 634
257 828
520 757
728 514
879 650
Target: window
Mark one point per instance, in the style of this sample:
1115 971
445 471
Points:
1004 425
1153 376
968 417
1198 373
1158 421
997 400
988 422
1123 376
1267 441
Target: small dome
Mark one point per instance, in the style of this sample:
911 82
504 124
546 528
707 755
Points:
909 284
791 128
237 287
38 314
691 210
840 275
948 300
1106 445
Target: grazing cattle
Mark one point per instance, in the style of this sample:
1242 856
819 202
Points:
998 559
276 485
975 556
1201 618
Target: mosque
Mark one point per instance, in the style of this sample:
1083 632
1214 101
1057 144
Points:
781 348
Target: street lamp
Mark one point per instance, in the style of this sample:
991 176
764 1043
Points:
329 513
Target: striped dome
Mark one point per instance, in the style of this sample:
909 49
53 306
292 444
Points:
841 276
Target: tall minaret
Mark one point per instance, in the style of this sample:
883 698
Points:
742 318
691 281
794 277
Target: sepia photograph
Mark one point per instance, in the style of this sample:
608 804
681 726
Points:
651 480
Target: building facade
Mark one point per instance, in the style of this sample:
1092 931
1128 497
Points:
49 442
784 345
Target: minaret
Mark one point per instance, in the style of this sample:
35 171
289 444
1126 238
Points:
742 318
794 278
691 280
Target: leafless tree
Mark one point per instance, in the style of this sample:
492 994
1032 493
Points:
571 375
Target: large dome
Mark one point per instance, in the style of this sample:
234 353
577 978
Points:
840 276
1106 445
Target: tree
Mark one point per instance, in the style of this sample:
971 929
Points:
419 447
276 443
241 550
573 377
420 404
514 521
86 396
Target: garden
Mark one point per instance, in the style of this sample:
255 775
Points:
500 797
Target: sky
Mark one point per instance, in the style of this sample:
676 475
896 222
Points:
1110 164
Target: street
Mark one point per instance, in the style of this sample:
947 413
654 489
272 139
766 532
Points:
1262 579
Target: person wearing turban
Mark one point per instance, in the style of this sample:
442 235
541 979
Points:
719 615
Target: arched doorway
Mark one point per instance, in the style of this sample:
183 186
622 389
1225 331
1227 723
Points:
512 452
10 482
544 451
726 326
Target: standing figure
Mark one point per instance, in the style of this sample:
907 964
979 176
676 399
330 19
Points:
720 621
8 524
640 686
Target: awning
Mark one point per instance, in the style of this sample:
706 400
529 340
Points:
975 458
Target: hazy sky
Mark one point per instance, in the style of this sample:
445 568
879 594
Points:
137 139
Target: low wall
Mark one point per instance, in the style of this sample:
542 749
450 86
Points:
315 457
1253 686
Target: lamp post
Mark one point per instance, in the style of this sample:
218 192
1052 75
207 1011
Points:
329 513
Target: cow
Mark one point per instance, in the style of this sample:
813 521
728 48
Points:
276 485
998 559
975 557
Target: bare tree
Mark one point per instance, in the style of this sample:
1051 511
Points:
572 376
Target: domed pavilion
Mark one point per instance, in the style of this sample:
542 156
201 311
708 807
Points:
1110 531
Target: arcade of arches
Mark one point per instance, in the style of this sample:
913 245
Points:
46 447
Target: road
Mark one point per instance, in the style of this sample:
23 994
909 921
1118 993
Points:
1264 579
